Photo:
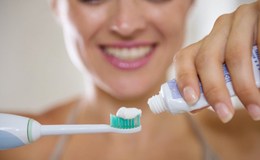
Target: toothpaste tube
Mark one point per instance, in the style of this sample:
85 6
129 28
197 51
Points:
169 98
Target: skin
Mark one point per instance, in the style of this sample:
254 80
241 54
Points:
112 23
88 28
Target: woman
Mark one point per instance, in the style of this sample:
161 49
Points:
125 47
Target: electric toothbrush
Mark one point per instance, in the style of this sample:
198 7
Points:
17 131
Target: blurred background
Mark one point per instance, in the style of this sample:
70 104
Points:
35 71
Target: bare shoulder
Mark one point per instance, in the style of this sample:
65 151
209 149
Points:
42 148
58 113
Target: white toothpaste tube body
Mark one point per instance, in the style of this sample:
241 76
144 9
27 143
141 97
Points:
169 98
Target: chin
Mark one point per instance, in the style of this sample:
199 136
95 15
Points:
131 92
133 87
133 96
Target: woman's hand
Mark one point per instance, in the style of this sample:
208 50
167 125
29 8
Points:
229 42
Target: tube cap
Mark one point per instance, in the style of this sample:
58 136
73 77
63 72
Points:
157 104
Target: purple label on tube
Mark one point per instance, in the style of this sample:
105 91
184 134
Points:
174 89
256 57
226 74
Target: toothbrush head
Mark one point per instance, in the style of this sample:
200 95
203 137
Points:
126 118
122 123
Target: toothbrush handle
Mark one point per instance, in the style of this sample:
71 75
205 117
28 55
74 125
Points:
17 131
74 129
14 131
83 129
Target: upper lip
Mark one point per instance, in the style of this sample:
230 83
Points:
128 44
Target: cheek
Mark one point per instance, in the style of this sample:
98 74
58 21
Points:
172 33
174 28
86 20
172 36
170 20
81 27
88 23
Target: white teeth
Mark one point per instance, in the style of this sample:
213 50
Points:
128 53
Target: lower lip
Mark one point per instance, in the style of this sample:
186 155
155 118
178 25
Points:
129 65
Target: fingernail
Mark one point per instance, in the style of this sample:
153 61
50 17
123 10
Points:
254 111
190 95
223 112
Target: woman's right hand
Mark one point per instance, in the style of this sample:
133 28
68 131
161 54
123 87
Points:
229 42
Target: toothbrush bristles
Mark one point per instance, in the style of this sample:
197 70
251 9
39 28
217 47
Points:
118 122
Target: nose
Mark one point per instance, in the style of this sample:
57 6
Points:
128 18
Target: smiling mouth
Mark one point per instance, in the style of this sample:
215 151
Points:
128 53
128 56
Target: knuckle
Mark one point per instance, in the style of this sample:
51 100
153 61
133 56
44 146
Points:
178 56
181 79
181 55
234 56
186 53
247 95
243 90
182 76
222 19
242 10
202 60
213 93
222 24
187 78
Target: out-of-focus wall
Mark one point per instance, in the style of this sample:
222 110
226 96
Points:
205 12
35 71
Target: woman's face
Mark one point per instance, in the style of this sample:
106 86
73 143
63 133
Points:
125 45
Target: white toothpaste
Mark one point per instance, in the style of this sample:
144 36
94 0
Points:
128 113
170 99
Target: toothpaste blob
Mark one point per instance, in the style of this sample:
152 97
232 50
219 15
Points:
128 113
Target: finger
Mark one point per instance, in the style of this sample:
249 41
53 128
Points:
238 58
258 5
186 74
257 31
209 64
